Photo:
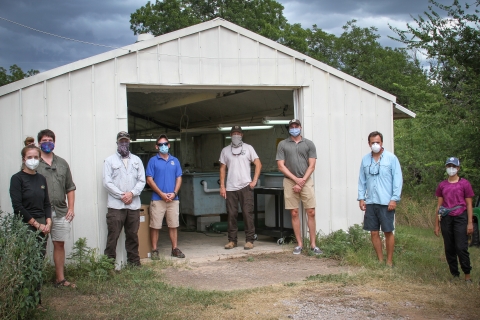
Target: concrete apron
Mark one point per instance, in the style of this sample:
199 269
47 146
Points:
200 247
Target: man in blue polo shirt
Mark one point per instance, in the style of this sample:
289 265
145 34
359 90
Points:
379 189
164 176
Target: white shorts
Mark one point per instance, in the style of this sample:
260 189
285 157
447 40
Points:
60 228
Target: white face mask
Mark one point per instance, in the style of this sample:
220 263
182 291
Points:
376 148
32 164
236 140
452 171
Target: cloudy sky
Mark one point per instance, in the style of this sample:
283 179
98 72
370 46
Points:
106 22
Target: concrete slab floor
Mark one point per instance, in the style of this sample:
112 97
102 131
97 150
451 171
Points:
202 247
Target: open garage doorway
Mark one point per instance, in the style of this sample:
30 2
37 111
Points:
197 123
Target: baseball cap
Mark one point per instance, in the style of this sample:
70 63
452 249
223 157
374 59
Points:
163 135
123 135
295 121
453 161
236 129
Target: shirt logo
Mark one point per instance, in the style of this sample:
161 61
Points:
172 163
42 187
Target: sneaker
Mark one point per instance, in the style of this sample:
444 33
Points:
177 253
469 281
297 250
248 246
155 255
230 245
455 279
316 250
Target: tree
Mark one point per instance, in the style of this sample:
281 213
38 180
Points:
16 73
452 44
264 17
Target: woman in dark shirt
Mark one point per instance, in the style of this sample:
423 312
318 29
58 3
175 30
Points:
29 195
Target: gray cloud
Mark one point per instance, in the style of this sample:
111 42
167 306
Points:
107 22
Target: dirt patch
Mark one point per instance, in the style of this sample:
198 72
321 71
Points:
250 272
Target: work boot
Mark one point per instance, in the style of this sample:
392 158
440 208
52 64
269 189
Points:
230 245
248 246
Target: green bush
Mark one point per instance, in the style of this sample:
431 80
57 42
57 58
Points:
20 267
86 262
337 244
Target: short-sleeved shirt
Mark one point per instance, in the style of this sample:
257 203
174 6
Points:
239 172
164 173
454 194
59 181
296 155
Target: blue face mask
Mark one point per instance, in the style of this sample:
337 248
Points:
294 132
163 149
47 146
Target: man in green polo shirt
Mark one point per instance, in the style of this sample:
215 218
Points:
296 158
60 185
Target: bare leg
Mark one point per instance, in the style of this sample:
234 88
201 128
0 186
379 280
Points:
154 238
390 243
172 232
377 244
59 259
312 227
296 226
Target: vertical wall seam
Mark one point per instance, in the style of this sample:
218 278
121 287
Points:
70 145
159 64
179 48
95 189
329 149
239 67
200 59
45 104
219 59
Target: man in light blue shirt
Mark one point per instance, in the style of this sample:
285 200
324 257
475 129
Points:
379 189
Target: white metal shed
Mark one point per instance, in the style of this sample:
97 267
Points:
87 102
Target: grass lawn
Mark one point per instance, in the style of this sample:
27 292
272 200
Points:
419 281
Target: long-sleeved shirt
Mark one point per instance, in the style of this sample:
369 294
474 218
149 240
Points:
119 179
380 182
29 195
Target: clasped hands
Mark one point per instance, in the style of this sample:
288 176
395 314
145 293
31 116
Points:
300 182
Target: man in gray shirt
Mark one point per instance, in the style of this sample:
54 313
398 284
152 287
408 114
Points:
296 158
124 179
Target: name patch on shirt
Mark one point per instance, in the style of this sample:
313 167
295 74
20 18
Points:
42 187
172 163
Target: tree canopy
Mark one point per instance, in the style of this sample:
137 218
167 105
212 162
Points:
15 73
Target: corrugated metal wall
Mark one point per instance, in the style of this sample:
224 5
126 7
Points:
87 107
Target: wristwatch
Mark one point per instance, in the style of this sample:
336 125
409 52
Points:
175 193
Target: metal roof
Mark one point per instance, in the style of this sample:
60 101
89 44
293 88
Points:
215 23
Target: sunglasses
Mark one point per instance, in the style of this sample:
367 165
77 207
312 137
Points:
163 144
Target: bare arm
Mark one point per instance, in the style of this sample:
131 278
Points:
223 191
437 220
155 189
71 206
470 215
258 168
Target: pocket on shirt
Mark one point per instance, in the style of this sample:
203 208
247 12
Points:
115 170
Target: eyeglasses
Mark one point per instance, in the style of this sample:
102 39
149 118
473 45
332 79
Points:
374 168
237 154
163 144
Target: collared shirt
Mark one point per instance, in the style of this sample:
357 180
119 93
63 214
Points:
119 179
380 182
164 173
59 182
239 172
296 155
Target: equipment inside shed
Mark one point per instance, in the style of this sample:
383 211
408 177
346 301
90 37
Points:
197 123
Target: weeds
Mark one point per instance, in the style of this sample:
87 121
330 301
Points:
20 267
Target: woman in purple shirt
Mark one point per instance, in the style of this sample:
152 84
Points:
455 197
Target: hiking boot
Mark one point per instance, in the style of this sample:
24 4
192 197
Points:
455 279
155 255
248 246
230 245
297 250
177 253
316 250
